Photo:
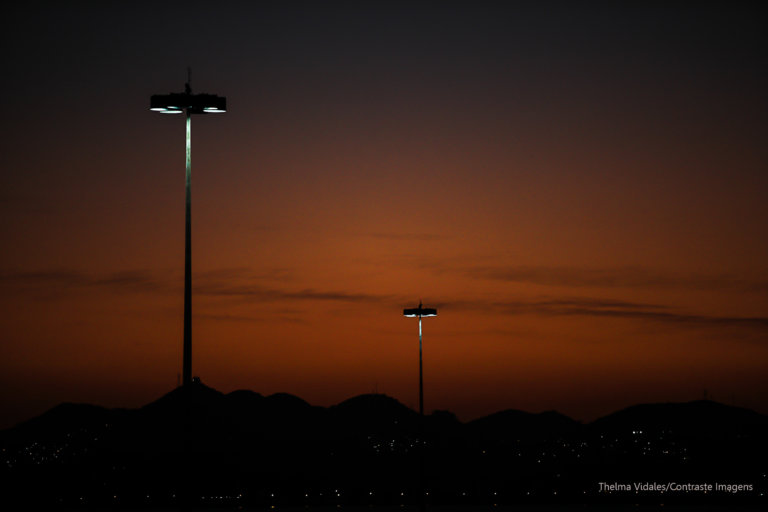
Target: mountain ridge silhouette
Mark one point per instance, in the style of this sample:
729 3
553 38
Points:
196 441
203 401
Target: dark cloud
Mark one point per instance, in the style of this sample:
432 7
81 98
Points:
63 279
219 284
267 294
662 316
292 318
213 283
426 237
620 277
135 279
240 273
549 305
599 307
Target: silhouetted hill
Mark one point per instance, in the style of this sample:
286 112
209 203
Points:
197 395
519 425
245 396
247 411
200 413
373 413
196 441
701 418
65 416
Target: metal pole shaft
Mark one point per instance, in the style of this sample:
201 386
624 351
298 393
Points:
187 358
422 498
421 375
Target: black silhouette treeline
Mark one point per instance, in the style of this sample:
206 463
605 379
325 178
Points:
198 445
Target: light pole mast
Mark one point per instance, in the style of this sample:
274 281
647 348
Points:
421 373
188 103
420 312
187 354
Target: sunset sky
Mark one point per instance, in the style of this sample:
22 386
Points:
578 187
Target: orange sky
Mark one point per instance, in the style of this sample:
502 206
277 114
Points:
581 197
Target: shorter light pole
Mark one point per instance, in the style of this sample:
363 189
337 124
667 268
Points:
410 313
420 312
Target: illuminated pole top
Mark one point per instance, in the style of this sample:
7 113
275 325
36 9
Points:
178 102
419 311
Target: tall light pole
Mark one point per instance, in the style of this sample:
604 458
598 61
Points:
188 103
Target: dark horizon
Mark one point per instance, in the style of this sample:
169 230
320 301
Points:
198 447
375 393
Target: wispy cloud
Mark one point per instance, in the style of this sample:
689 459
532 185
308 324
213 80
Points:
219 283
600 307
426 237
59 280
256 292
283 317
548 305
681 318
222 284
618 277
244 273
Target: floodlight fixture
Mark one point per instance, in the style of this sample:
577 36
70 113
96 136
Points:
420 312
177 103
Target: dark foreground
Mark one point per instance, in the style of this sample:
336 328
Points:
199 447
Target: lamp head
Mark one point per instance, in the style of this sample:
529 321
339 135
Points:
420 312
176 103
